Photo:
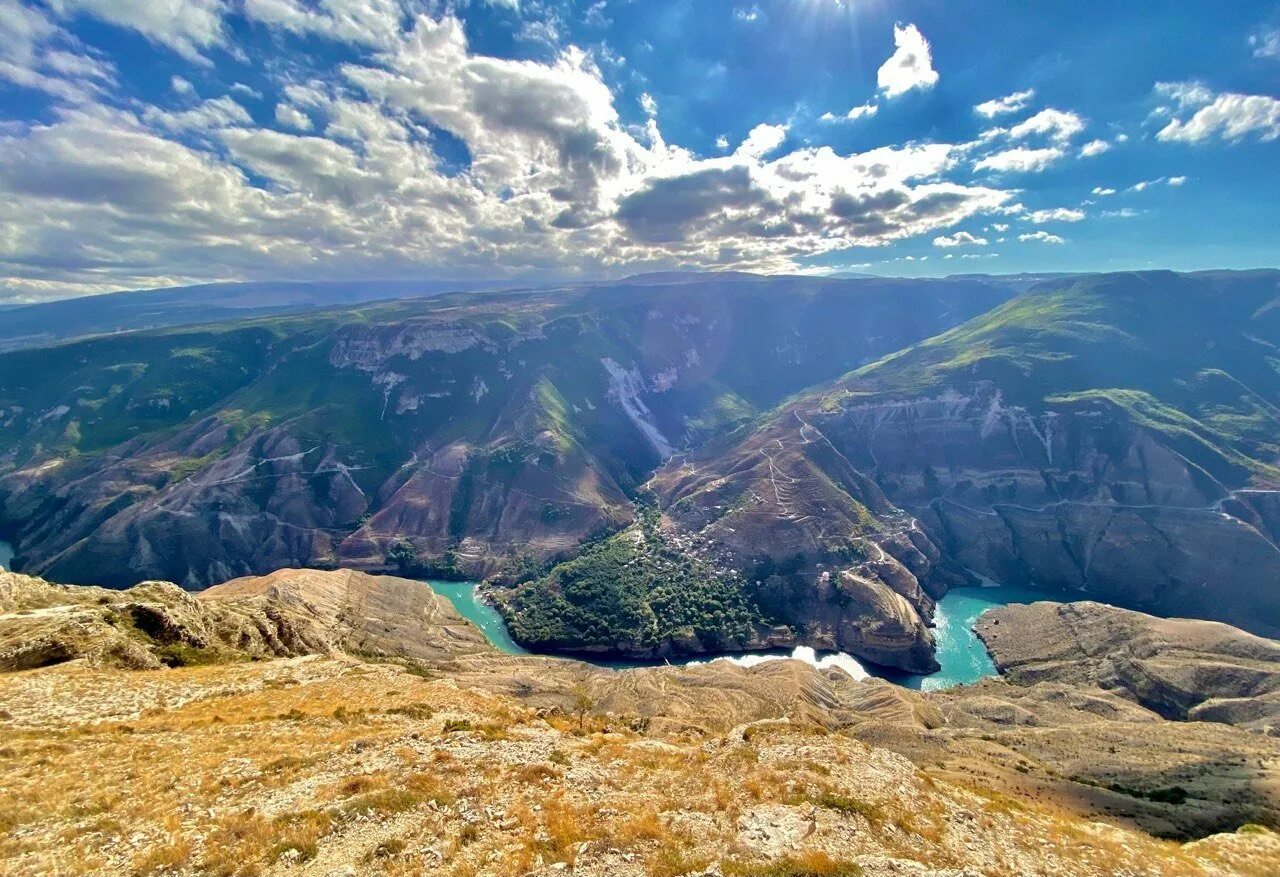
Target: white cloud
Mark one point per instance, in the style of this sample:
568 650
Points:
1042 236
425 157
862 111
375 23
1228 115
1102 191
1266 44
762 140
1122 213
188 27
1056 214
1143 185
182 86
1057 125
292 117
1094 147
748 14
29 57
959 239
1010 103
722 142
1020 159
209 115
910 66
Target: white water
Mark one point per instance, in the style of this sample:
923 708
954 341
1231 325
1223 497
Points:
839 660
6 555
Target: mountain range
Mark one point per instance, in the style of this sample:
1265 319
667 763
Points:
684 463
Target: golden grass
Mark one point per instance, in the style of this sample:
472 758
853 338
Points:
234 784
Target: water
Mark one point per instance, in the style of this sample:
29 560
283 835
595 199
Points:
465 598
6 556
963 658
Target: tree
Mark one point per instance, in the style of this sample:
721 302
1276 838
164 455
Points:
404 555
583 703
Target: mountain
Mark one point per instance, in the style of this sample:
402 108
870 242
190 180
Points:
1113 435
676 464
36 325
474 433
373 734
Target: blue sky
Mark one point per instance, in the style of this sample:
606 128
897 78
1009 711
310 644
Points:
150 144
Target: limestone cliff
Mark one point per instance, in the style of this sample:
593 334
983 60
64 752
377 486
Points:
1179 668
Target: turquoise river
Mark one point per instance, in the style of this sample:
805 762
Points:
960 652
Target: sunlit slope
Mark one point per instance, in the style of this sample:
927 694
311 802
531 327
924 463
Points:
478 432
1115 434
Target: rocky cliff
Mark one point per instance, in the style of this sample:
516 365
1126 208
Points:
287 613
1110 436
487 432
1179 668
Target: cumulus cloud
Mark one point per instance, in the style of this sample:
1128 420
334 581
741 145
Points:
30 58
217 113
420 155
1020 159
1042 236
1057 125
1010 103
959 239
188 27
292 117
375 23
910 66
762 140
1103 191
1056 214
1094 147
1228 115
862 111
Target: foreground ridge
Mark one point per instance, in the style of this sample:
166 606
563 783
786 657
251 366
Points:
471 762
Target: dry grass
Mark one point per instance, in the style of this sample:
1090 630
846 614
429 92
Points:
405 775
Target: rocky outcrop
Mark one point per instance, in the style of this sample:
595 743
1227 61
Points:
828 552
288 613
1178 668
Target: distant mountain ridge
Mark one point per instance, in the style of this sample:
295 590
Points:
35 325
752 461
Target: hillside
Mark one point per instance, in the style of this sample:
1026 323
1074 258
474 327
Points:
474 433
350 756
1111 434
1176 667
41 324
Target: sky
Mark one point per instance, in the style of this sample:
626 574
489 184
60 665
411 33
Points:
159 143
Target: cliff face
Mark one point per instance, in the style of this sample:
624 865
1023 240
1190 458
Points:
1179 668
1077 497
822 546
285 614
488 432
1111 436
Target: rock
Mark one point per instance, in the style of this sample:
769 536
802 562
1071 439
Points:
290 612
1179 668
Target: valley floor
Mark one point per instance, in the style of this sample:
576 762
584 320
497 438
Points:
328 765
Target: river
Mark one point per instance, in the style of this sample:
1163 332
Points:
960 652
